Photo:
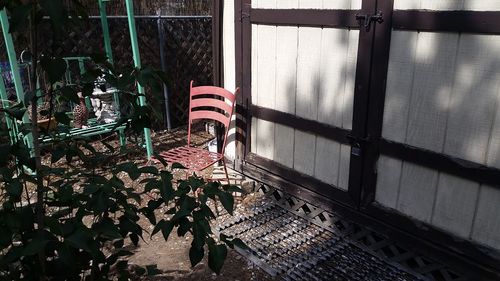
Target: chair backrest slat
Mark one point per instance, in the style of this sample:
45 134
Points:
211 90
213 103
219 104
206 114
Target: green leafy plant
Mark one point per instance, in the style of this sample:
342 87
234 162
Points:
70 217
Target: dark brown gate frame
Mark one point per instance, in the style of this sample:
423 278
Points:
371 77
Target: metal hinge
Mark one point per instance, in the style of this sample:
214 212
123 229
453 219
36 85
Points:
366 20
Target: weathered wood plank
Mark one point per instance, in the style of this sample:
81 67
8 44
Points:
284 145
345 160
326 166
286 85
432 86
486 228
388 177
399 85
455 205
333 67
308 62
417 191
265 139
350 77
473 104
304 152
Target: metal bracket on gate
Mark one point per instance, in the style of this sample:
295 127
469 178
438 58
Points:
357 144
366 20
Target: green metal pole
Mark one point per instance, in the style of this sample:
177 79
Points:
5 104
105 30
137 63
11 52
14 67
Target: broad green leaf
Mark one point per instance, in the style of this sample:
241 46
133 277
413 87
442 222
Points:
35 246
62 118
184 226
239 243
216 256
159 226
196 255
55 67
149 170
135 238
15 189
79 239
167 229
177 166
227 201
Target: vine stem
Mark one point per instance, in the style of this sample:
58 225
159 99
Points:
39 207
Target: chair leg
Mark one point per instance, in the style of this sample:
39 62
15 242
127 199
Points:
225 170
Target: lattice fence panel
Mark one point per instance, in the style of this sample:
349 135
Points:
188 52
189 57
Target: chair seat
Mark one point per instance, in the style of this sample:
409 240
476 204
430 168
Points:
193 158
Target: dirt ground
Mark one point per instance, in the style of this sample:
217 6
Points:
171 257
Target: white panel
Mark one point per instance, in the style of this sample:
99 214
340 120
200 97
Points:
337 4
399 85
229 67
253 136
308 76
417 191
283 145
471 5
310 4
493 158
455 204
443 4
482 5
286 85
350 77
487 224
286 68
287 4
254 59
356 4
304 152
406 4
432 86
264 4
265 139
327 161
388 177
334 47
266 66
474 100
345 161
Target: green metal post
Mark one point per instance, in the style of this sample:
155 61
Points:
14 67
137 63
105 30
5 104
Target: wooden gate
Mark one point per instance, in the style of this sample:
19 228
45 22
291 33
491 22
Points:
390 110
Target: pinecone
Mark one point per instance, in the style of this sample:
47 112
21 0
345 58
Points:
80 114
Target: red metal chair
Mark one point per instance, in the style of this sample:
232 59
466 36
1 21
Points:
205 102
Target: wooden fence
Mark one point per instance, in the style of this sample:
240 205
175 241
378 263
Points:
389 109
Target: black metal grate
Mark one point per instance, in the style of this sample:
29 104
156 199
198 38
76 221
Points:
295 240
